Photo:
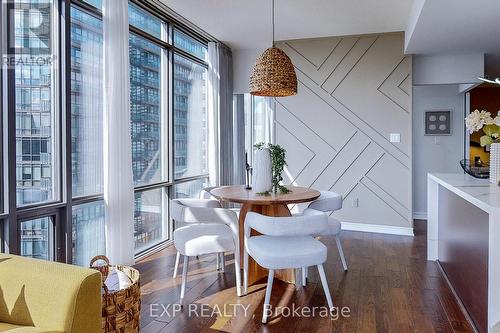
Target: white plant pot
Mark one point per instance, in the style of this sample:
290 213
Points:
494 163
262 171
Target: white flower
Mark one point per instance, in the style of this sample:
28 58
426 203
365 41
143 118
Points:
496 121
477 119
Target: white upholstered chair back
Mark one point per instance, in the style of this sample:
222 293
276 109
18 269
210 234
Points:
179 209
205 193
301 225
327 202
203 211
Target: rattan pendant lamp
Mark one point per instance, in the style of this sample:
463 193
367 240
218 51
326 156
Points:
273 74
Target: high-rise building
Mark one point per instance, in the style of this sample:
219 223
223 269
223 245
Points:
86 104
146 131
86 135
34 120
190 96
34 105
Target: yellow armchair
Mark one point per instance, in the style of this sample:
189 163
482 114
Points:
43 296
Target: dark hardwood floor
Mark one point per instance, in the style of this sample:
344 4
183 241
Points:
390 287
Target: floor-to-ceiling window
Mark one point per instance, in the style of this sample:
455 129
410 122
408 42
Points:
55 207
190 115
87 183
34 137
37 121
149 126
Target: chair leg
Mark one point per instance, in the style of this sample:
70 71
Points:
176 267
270 278
237 271
222 262
304 276
298 278
217 263
184 278
325 286
245 271
341 252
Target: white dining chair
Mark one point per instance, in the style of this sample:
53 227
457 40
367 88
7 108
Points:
327 202
201 203
330 202
205 194
206 229
285 243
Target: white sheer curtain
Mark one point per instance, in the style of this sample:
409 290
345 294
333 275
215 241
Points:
118 178
213 113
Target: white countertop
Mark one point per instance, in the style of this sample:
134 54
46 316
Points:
479 192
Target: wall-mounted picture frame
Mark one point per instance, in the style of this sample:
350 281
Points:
437 122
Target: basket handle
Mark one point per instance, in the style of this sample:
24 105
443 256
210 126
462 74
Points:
100 257
91 265
106 291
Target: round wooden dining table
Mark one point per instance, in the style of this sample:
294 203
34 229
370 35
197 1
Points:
273 204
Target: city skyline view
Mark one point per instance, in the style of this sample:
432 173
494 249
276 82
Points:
37 121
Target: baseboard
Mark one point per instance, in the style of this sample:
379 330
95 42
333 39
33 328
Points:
378 228
420 215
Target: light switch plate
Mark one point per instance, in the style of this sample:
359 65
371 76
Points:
395 137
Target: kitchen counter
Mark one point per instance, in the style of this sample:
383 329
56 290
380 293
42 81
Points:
464 237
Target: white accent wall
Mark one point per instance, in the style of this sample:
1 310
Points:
353 92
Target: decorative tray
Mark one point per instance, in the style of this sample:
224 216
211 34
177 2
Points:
481 172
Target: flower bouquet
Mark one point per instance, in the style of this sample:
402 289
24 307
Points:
478 120
482 120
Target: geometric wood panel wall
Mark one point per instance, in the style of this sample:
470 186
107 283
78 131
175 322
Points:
352 93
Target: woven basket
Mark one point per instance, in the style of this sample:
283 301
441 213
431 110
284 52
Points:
121 308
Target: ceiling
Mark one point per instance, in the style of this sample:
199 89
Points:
246 24
445 26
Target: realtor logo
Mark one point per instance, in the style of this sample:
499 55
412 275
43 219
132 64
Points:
29 32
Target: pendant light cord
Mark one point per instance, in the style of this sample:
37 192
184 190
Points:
273 21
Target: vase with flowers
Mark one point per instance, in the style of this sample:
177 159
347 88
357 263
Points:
270 163
482 120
